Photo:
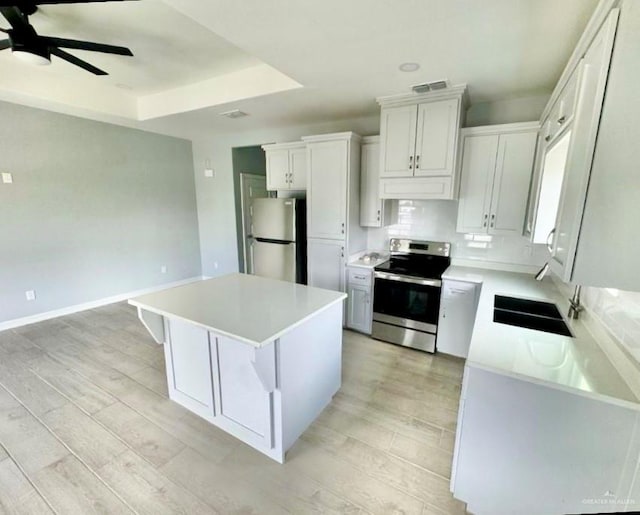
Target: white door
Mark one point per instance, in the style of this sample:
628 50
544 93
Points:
511 183
358 316
326 264
398 141
436 136
298 169
252 187
478 167
327 189
370 203
277 169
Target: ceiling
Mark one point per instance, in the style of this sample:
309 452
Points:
287 62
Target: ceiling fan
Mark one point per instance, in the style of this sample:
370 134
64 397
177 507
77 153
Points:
28 45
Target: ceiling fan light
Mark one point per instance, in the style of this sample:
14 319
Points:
31 57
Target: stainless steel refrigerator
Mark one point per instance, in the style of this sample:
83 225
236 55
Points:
279 246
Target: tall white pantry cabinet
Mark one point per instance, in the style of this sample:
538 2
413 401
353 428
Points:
333 207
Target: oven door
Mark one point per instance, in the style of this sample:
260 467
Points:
406 301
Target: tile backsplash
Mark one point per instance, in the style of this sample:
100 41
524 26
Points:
436 220
619 312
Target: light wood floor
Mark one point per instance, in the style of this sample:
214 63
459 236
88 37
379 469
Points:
86 427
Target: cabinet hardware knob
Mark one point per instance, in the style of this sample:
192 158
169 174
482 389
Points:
417 162
484 222
410 162
547 137
561 120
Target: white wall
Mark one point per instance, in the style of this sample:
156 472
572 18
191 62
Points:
216 211
436 220
94 211
523 109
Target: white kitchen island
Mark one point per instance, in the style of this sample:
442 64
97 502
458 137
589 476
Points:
258 358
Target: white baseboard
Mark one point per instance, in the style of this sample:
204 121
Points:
39 317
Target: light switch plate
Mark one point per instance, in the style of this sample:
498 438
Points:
30 294
7 178
209 172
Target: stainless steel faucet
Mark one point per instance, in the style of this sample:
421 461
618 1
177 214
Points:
542 272
575 307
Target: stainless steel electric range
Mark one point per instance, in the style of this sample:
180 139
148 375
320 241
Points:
406 296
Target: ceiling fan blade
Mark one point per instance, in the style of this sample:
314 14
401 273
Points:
4 44
16 19
78 62
18 3
86 45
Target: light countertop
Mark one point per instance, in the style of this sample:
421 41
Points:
253 309
363 259
574 364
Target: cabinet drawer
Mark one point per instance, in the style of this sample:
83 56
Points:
416 188
359 276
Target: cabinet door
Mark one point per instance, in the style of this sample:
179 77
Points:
188 358
370 203
478 167
584 131
358 312
298 168
511 183
436 137
326 264
398 141
245 404
327 189
277 169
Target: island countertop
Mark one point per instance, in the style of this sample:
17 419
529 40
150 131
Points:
252 309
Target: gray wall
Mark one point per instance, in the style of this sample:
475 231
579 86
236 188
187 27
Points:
245 160
94 211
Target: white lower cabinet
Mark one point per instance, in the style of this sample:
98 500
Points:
188 353
245 405
326 264
223 380
360 299
458 307
527 448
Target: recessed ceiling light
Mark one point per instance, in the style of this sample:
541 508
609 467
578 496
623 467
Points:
234 113
409 67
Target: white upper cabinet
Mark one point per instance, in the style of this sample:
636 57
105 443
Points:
286 166
497 163
593 72
436 136
374 212
327 189
418 144
398 132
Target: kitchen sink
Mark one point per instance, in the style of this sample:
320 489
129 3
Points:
530 314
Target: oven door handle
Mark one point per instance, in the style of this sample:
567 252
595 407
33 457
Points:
407 279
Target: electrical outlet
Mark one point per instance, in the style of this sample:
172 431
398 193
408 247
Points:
7 178
163 269
209 172
30 294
